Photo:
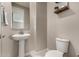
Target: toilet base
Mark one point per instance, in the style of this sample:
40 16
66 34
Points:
40 53
54 53
47 53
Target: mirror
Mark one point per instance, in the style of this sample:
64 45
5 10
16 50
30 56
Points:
20 15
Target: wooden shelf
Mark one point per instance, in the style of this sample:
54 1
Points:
57 11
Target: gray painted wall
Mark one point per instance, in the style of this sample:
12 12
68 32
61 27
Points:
41 25
9 46
38 26
32 41
65 25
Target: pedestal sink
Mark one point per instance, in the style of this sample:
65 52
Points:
21 38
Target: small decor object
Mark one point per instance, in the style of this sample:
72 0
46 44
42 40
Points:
61 6
4 16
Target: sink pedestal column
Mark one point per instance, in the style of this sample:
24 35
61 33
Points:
21 38
21 48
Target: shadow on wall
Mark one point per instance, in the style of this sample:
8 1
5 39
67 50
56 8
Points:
70 53
66 13
71 49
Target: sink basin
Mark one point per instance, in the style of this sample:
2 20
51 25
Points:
20 36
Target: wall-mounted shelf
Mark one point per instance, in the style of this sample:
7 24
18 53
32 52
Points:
61 9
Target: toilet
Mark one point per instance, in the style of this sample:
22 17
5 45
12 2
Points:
62 48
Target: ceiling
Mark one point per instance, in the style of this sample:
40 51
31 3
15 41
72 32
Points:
25 4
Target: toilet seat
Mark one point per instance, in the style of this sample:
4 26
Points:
54 53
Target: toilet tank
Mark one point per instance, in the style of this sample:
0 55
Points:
62 45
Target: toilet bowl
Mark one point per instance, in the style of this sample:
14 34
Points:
40 53
61 48
54 53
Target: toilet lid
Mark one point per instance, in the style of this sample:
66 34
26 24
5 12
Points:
54 53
